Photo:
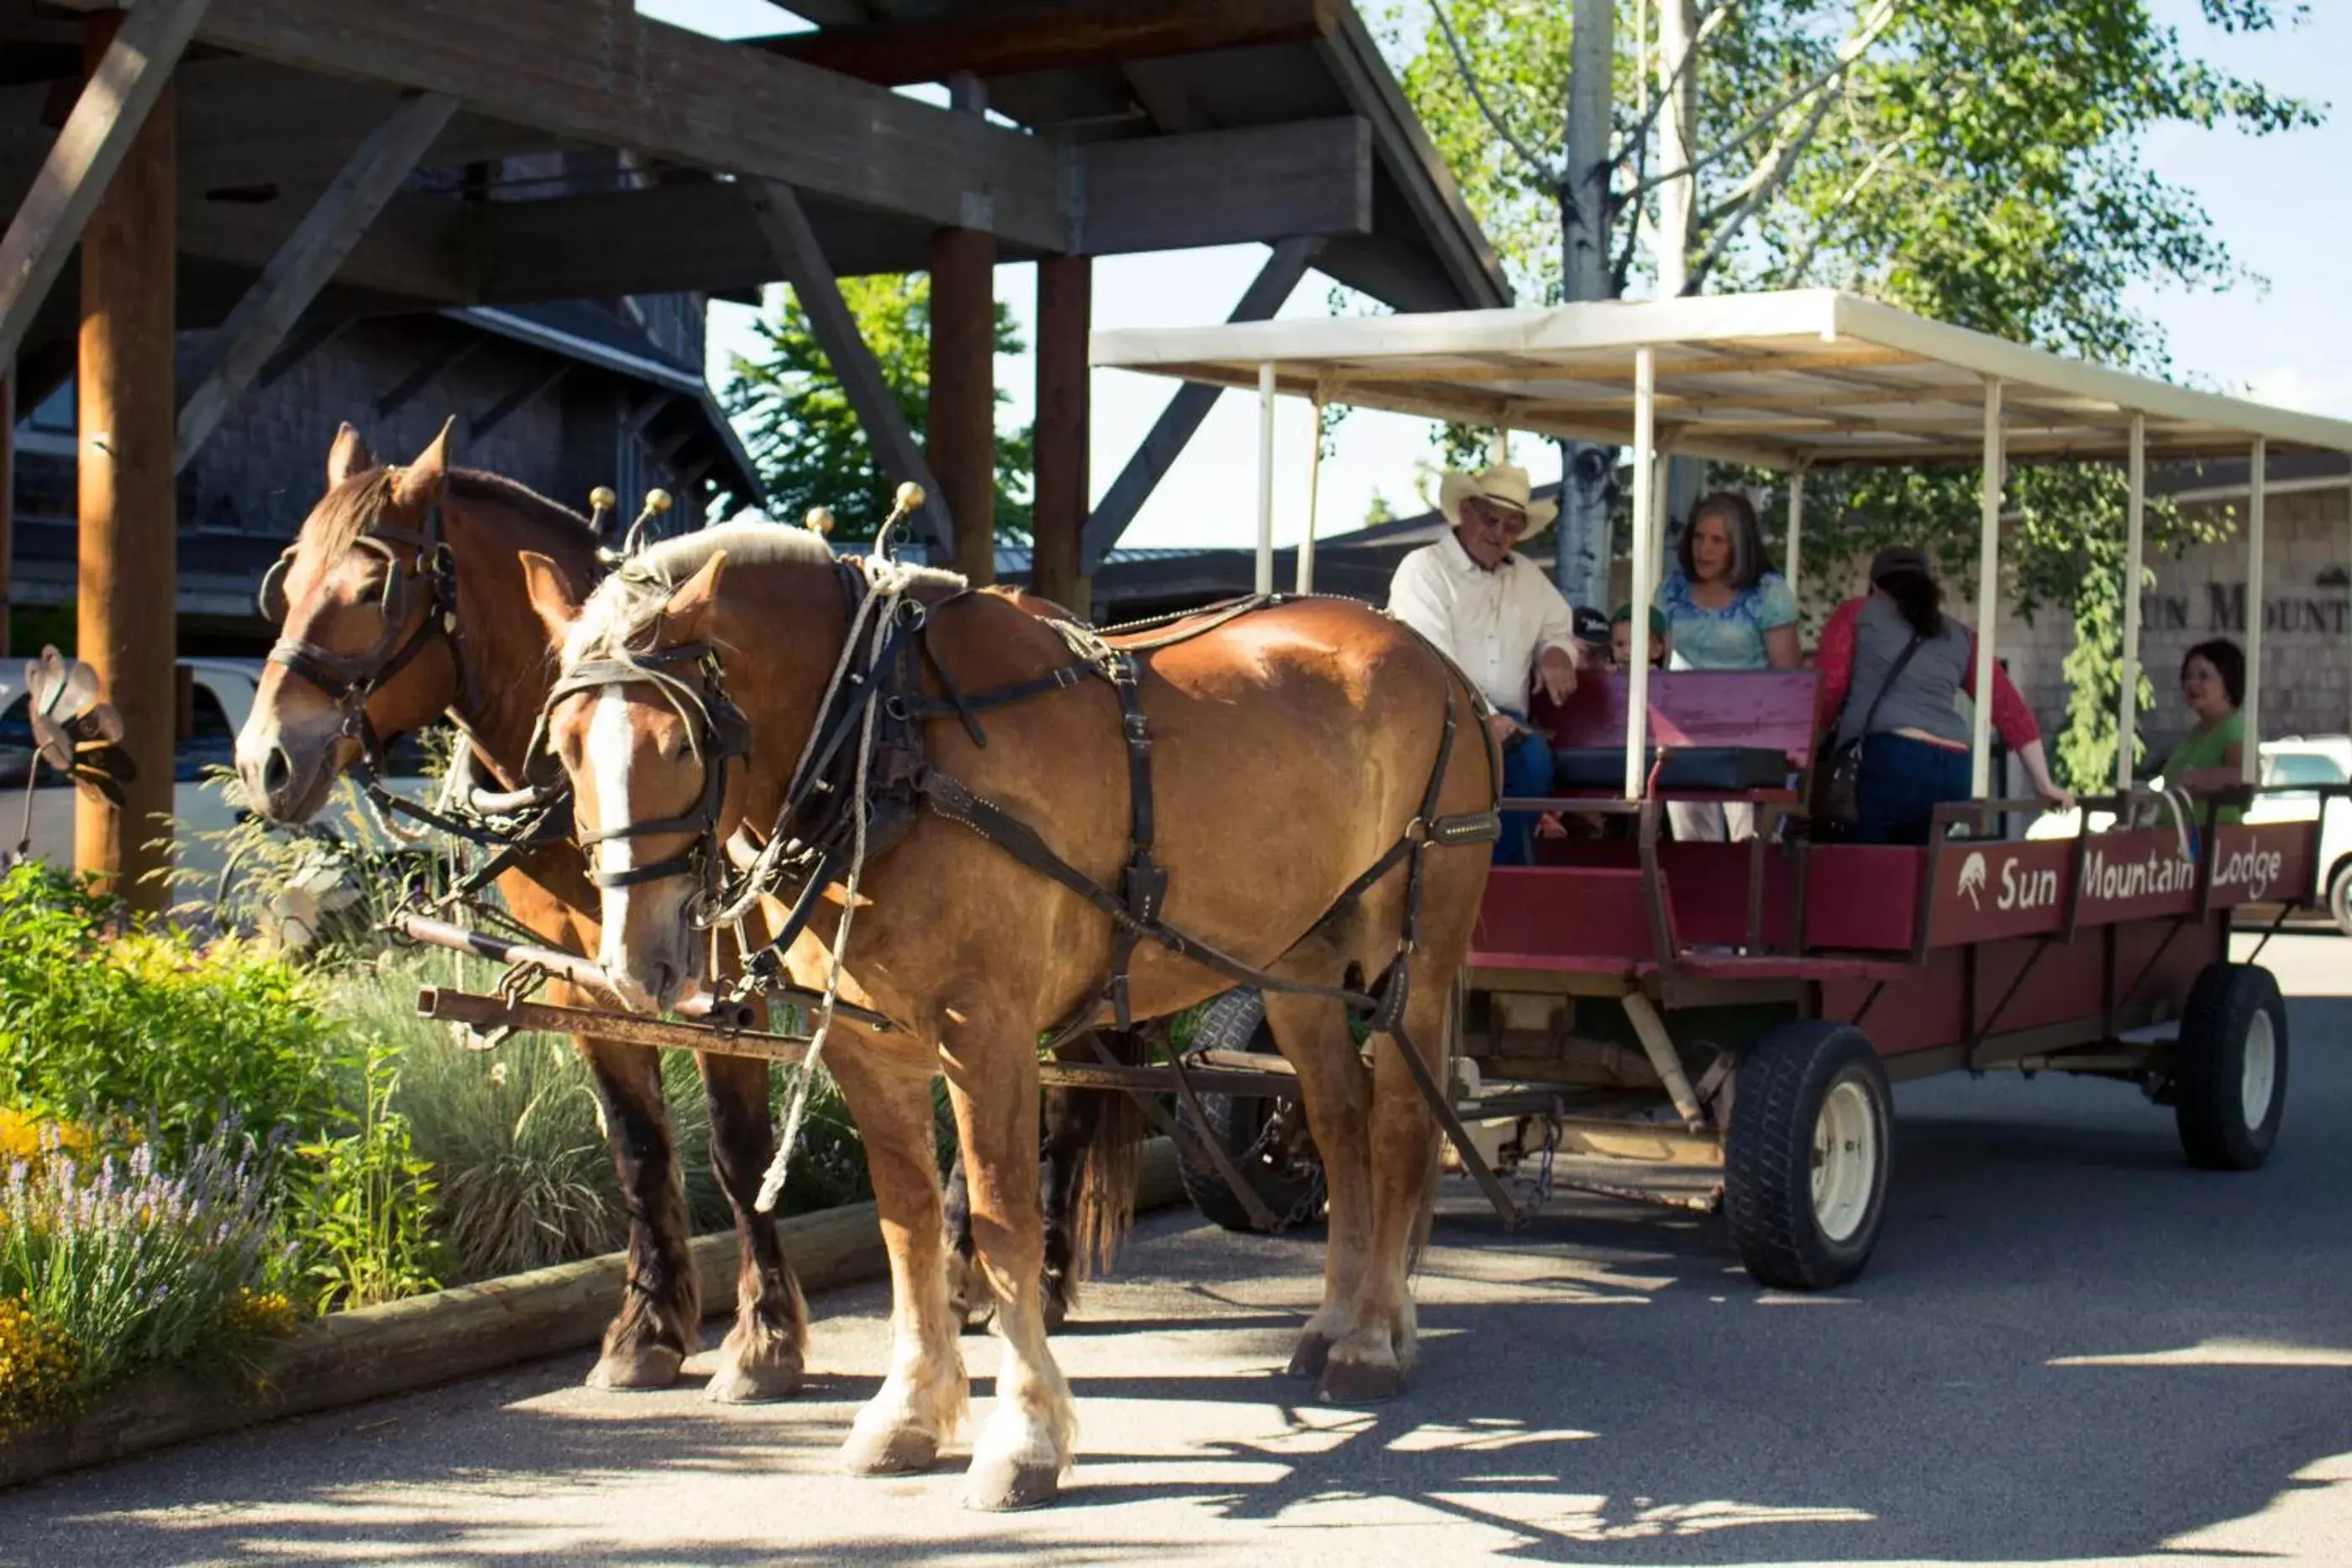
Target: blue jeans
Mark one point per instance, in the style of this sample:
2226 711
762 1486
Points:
1901 783
1526 770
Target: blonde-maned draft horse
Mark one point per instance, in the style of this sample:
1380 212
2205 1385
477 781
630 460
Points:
404 600
1294 761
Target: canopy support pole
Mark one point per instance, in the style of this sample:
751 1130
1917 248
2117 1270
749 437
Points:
1988 594
2135 543
2257 483
1796 527
1314 501
1645 487
1265 477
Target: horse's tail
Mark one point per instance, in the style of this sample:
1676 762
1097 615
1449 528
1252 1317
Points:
1107 1175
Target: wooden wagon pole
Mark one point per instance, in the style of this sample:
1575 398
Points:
477 1011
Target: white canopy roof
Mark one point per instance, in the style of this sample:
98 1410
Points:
1811 376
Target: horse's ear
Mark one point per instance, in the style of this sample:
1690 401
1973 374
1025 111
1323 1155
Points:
347 454
552 595
421 480
685 618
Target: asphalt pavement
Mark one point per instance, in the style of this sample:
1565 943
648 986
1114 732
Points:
2070 1349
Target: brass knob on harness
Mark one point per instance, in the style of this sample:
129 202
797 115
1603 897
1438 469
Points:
911 496
601 499
819 521
657 501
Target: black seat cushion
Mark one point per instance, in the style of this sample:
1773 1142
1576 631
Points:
1715 769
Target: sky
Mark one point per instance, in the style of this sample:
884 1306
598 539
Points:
2279 202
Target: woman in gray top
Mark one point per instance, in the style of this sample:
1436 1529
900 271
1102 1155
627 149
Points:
1898 700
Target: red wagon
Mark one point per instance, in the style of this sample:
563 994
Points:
1716 1024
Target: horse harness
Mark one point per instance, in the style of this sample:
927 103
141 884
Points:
811 837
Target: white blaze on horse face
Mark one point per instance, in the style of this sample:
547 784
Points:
612 747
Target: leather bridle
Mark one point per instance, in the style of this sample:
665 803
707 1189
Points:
720 734
348 680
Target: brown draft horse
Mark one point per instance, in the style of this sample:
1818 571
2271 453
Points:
1292 749
490 672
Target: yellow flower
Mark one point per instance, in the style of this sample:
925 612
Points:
38 1366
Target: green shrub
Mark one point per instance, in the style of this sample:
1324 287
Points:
363 1229
117 1265
100 1019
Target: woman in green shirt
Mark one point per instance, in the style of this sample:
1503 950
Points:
2212 755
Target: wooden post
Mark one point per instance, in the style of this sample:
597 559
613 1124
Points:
1065 306
125 459
960 442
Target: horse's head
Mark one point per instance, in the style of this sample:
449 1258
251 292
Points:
365 586
637 722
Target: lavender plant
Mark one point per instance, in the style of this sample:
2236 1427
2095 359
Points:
129 1264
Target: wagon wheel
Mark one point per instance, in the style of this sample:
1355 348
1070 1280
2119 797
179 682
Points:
2228 1068
2339 898
1267 1138
1806 1154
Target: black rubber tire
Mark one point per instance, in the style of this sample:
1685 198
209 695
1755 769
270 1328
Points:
1785 1078
1236 1021
2208 1066
2339 898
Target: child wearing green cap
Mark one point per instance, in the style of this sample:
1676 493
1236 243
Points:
1621 639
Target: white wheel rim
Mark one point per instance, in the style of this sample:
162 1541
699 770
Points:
1845 1161
2258 1076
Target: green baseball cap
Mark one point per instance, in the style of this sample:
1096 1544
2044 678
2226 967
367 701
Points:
1657 619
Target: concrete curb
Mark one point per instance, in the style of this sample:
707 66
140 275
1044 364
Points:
350 1357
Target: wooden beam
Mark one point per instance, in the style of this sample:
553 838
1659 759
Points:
127 572
1065 306
1185 411
116 100
526 391
1055 35
595 71
1227 187
310 256
960 426
795 249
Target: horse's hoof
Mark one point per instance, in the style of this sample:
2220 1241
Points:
1008 1486
898 1451
1308 1360
646 1366
754 1384
1358 1382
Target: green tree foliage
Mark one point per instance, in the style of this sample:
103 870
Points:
1976 160
798 424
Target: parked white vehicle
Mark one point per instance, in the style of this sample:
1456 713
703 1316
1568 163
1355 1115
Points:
2313 761
223 695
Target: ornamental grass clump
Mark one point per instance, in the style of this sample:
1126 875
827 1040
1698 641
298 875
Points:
117 1265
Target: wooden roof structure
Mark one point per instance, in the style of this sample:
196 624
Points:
1810 378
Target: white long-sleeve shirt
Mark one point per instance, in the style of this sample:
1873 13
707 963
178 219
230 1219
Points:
1495 624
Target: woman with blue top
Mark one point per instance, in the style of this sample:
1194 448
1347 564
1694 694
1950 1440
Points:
1726 609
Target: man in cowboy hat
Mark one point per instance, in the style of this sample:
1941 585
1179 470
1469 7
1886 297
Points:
1496 614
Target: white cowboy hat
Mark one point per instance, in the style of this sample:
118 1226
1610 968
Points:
1503 485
